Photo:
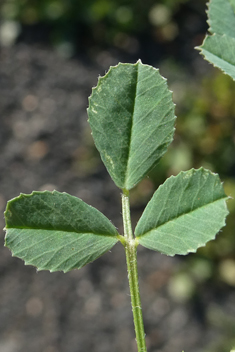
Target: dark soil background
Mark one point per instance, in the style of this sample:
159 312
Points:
45 144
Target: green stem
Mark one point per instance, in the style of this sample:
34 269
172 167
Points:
131 259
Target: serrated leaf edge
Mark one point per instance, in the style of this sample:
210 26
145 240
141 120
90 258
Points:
27 263
225 198
101 78
23 195
116 238
200 245
201 49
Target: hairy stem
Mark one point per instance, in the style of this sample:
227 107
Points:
131 259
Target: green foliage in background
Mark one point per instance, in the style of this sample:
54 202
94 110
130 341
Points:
102 22
218 48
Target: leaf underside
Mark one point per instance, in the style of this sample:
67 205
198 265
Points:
219 48
56 232
184 213
131 115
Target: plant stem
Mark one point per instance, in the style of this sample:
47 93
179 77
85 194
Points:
131 259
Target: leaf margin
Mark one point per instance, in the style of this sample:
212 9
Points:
115 236
212 32
225 198
124 185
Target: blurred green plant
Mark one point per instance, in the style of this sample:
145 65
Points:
104 22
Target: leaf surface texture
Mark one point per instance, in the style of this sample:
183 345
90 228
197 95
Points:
57 232
131 115
184 213
219 48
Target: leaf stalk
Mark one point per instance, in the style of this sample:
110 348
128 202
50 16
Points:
132 270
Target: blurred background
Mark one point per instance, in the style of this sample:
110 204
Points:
51 54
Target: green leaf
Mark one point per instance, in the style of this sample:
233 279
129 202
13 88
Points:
219 48
221 17
184 213
220 51
55 231
131 115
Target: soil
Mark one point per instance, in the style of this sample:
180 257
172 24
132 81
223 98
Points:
45 143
